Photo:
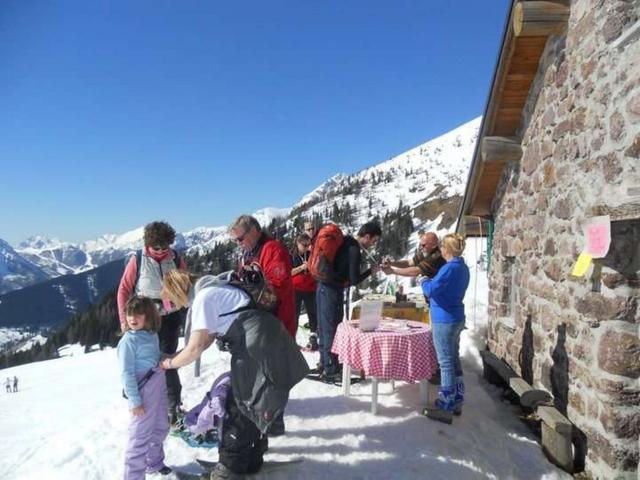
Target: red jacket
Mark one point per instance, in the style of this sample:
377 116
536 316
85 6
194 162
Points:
275 261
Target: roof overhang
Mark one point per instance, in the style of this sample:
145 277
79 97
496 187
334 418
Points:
529 24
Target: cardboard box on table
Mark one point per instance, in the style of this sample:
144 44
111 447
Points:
402 310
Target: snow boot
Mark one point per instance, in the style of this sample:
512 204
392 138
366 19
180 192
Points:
442 411
313 343
458 398
221 472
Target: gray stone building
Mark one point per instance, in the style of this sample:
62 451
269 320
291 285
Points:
560 144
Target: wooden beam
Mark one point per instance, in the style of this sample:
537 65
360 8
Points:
540 19
501 149
627 211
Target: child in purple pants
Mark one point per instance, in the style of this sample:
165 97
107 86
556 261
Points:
146 389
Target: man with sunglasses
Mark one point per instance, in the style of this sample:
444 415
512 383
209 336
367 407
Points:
143 276
273 257
426 261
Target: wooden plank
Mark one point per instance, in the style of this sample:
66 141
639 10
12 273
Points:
558 448
539 18
500 149
519 385
627 211
554 419
500 367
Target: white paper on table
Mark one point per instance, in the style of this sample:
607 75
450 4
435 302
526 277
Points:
370 315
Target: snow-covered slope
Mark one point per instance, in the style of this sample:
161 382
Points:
78 429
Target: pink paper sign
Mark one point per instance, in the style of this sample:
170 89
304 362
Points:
598 236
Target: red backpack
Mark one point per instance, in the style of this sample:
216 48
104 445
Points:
327 243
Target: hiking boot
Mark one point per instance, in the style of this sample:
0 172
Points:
458 399
276 429
162 472
221 472
331 378
313 343
443 409
438 414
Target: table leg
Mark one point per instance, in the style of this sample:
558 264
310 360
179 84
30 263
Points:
346 379
374 395
424 392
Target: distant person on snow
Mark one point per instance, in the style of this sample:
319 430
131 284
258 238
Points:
304 286
446 293
8 385
143 277
15 383
146 389
265 364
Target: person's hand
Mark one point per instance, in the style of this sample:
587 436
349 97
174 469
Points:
165 363
305 266
137 411
387 270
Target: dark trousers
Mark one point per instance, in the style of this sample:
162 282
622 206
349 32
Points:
168 336
309 299
242 447
329 300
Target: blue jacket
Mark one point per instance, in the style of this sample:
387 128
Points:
446 291
138 352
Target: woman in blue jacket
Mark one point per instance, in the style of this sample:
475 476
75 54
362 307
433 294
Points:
446 292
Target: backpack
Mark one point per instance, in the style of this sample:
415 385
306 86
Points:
208 414
327 242
251 280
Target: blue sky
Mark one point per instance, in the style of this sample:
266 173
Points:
116 113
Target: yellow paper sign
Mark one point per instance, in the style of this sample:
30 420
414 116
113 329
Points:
582 265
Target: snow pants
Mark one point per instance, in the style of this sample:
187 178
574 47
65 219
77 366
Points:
144 452
309 299
242 446
329 301
168 337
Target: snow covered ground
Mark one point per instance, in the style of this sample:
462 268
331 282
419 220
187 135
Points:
69 421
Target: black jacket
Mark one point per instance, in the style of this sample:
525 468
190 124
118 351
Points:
265 364
346 265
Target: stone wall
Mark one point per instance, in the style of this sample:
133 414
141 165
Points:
576 337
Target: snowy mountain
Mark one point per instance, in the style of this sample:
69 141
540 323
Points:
16 271
429 178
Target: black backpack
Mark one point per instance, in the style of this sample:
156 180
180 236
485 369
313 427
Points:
251 280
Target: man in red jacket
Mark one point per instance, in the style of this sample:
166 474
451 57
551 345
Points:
275 262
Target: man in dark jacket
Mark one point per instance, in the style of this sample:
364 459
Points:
265 364
426 261
330 295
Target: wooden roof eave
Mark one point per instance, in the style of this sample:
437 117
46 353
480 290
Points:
488 119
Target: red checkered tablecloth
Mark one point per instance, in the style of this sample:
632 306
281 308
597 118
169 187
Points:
408 356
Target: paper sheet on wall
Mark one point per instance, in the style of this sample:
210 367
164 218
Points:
582 265
597 232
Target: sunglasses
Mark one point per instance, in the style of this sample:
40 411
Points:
240 238
160 248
